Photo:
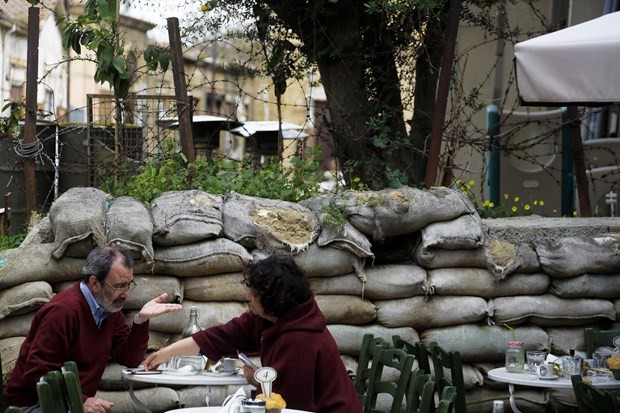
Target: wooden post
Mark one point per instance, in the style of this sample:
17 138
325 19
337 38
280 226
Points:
30 124
579 163
180 90
449 44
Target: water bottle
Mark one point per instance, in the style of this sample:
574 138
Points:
498 406
514 357
192 325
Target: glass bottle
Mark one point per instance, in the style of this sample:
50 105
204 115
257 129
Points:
498 406
514 357
192 325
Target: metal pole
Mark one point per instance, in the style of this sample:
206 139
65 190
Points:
443 89
568 178
579 163
493 169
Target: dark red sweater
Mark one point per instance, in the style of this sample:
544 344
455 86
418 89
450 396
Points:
64 329
311 375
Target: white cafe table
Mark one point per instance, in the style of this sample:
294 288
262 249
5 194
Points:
531 380
215 409
170 379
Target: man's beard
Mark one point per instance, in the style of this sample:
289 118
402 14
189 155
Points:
110 307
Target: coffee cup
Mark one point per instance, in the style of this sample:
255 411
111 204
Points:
228 364
545 371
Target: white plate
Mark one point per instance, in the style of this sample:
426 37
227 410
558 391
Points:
220 374
549 378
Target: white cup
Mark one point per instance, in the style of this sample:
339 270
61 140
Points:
227 364
545 370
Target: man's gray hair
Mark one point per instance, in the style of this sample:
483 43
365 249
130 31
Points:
100 260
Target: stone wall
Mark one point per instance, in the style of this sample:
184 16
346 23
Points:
408 262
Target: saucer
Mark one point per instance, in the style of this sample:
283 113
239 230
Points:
220 373
549 378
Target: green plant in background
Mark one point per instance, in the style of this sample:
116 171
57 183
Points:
8 242
273 180
334 215
513 206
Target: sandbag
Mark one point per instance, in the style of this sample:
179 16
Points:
24 298
216 256
185 217
157 399
129 224
464 232
565 339
571 256
39 232
396 249
549 310
391 212
587 285
9 348
349 284
34 263
422 313
268 224
211 314
16 326
432 258
504 258
327 261
349 337
113 380
346 309
484 343
151 286
221 287
158 340
78 221
481 283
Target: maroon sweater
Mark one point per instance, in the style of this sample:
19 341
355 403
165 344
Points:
311 375
65 329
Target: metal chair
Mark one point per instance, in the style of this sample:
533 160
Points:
369 344
596 338
51 393
589 398
418 349
420 393
452 361
394 358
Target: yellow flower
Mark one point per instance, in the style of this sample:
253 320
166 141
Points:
514 209
517 199
491 205
471 183
506 196
542 203
535 202
555 211
527 207
486 203
458 182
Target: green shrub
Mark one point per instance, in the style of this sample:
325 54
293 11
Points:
8 242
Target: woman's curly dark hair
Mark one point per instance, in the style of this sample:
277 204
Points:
278 282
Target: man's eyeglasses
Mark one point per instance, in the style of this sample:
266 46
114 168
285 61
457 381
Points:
122 288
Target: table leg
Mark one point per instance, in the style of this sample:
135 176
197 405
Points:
137 402
513 404
208 398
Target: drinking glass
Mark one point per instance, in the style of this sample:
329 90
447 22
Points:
599 361
534 359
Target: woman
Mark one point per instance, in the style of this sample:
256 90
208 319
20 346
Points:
286 327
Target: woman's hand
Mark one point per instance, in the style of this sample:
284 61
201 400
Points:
185 347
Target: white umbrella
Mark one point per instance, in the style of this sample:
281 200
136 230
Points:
579 65
252 127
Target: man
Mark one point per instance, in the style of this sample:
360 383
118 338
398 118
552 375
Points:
286 327
84 323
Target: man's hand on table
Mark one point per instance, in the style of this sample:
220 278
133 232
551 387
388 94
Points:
97 405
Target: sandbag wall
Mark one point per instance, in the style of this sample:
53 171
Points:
408 262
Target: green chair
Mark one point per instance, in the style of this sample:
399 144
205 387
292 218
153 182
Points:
418 349
369 344
73 389
396 388
589 398
597 338
50 389
615 399
420 393
450 360
448 399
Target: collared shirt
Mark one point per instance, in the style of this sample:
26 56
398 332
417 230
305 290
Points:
98 312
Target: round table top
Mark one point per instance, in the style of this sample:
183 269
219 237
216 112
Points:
205 378
528 379
215 409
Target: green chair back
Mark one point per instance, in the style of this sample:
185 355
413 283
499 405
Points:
615 399
420 393
74 392
597 338
396 388
50 389
451 360
418 349
72 367
589 398
447 402
369 344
